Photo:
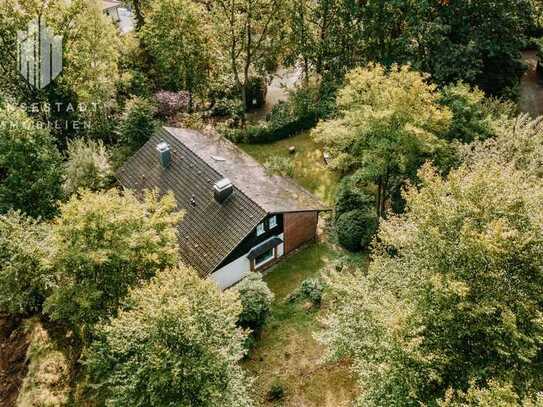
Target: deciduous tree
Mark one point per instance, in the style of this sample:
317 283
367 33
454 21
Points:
175 343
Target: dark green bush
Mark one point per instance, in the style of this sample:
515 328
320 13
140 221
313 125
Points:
349 198
137 123
355 229
256 299
276 392
310 289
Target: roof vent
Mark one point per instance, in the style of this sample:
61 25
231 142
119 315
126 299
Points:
222 190
165 154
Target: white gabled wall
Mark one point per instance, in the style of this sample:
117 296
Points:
239 268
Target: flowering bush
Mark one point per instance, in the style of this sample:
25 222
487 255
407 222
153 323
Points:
170 103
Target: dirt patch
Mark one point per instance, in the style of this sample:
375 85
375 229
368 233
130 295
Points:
13 364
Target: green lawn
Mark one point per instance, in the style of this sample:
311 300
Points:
309 167
287 352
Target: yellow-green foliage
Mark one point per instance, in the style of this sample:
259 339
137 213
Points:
175 343
453 293
101 244
47 383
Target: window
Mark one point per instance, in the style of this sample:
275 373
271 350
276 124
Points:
273 222
260 229
264 258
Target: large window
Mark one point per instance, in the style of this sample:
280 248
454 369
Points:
273 222
260 229
264 258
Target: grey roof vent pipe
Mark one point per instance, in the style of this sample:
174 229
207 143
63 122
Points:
222 190
164 154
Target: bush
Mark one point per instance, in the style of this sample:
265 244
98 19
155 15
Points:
22 278
310 289
256 299
355 229
279 165
137 123
301 112
228 107
171 103
349 198
276 392
88 166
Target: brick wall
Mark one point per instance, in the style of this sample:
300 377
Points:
299 227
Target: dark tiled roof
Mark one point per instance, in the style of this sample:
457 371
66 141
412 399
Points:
210 231
272 193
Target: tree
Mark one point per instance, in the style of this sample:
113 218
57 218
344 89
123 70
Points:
137 123
251 32
177 37
176 343
388 124
88 166
103 243
90 72
470 121
452 295
23 281
256 299
350 197
30 165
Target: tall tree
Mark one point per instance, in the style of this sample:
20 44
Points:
178 38
102 244
451 305
251 32
388 124
30 165
176 343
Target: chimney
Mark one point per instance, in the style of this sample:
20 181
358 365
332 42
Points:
165 154
222 190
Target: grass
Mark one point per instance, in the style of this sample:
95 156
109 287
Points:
287 352
309 167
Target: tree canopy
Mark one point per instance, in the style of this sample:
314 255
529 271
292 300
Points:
175 343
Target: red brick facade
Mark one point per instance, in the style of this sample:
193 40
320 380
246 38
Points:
299 228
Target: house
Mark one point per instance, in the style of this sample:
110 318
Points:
238 218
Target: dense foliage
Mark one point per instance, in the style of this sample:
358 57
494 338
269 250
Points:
451 302
137 123
175 343
355 228
256 299
30 165
388 123
100 245
23 281
87 167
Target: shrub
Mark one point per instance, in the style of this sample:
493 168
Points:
137 123
301 112
228 107
171 103
22 278
310 289
349 197
355 229
276 392
279 165
256 299
88 166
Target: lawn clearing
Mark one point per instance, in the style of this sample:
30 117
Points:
287 353
310 171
